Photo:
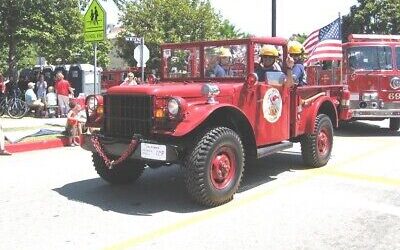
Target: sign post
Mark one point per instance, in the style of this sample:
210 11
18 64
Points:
141 55
95 30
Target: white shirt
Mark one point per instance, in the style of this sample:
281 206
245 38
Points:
51 99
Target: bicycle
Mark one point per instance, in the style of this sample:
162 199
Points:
15 107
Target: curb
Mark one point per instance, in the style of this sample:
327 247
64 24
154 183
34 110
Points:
38 145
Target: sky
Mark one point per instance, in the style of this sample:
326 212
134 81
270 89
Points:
254 16
305 16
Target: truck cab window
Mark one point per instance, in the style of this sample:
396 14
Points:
370 58
182 63
225 61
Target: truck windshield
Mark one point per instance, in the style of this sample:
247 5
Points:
181 62
219 61
370 58
225 61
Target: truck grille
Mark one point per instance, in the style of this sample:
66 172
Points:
126 115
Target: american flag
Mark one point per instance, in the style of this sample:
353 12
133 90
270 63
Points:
324 44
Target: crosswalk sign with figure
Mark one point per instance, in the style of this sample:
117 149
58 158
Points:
95 23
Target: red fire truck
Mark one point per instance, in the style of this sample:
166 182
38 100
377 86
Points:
212 126
370 68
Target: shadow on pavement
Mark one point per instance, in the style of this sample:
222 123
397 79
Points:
163 189
360 129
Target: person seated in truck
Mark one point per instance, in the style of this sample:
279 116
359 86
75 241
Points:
296 51
269 63
221 66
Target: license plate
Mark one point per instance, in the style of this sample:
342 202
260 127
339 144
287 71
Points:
153 151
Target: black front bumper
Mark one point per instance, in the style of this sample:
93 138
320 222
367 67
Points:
116 147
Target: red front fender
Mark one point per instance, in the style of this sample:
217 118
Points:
196 115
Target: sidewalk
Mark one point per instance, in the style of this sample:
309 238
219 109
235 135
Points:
15 129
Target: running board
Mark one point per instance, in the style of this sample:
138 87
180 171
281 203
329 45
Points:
268 150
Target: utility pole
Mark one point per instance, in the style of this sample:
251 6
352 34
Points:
273 18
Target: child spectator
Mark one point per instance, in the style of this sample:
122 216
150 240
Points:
41 86
75 119
51 102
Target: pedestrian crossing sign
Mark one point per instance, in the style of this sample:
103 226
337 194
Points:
95 23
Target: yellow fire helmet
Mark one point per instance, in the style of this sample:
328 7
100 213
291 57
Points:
224 52
295 47
269 50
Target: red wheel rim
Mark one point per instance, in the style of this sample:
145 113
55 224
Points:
323 142
223 168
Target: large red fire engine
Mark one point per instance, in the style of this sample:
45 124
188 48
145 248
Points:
212 126
370 68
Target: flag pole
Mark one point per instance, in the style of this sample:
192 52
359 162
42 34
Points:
341 37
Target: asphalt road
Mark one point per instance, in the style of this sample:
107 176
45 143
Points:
53 199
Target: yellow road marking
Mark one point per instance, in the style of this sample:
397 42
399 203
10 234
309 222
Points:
209 214
235 204
361 177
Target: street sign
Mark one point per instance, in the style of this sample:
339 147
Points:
134 39
95 23
137 54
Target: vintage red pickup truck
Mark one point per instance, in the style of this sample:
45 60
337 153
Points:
213 126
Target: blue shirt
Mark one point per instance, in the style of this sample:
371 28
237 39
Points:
219 71
298 74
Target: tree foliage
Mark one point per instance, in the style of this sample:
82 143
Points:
160 21
47 28
84 3
373 17
299 37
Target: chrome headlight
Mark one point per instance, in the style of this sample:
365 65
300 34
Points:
395 82
173 106
370 96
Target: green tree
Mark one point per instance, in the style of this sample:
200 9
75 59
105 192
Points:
373 17
49 28
160 21
84 3
298 37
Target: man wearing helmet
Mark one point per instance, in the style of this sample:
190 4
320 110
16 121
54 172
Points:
220 68
296 51
268 63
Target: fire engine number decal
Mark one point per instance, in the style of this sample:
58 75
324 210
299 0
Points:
272 105
394 96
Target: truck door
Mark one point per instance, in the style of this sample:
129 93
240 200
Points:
390 83
273 109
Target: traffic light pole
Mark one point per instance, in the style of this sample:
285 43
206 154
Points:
273 18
